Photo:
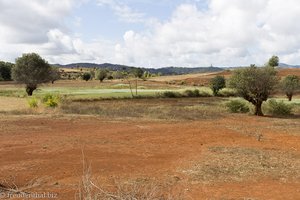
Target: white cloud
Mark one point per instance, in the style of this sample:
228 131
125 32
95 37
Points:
36 26
58 43
96 51
123 11
27 21
227 33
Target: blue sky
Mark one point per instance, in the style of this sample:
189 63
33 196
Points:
187 33
102 21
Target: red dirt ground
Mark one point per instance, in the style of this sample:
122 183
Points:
49 149
204 79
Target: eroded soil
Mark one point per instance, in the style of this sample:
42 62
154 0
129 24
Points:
47 152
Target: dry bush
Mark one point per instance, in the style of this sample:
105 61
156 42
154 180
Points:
278 108
170 94
130 190
237 106
227 92
10 187
227 164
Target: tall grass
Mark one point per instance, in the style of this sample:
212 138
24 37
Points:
13 93
164 109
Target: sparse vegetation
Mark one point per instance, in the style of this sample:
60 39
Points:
217 83
175 137
192 93
254 84
55 74
33 103
101 74
143 189
290 84
5 71
278 108
31 70
173 109
171 94
237 106
231 164
227 92
273 61
50 100
86 76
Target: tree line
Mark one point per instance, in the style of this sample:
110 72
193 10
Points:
254 84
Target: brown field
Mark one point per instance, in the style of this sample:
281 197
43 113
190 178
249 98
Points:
285 72
192 147
209 156
200 79
12 103
203 79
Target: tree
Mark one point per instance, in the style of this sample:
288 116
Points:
138 73
110 77
290 84
86 76
30 69
5 70
273 61
93 74
217 83
118 75
101 74
254 84
55 74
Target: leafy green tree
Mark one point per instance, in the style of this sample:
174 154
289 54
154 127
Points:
110 77
146 74
5 70
86 76
30 69
138 72
93 74
254 84
101 74
290 84
273 61
55 74
118 75
217 83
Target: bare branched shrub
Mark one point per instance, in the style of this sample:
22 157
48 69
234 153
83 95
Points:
10 187
130 190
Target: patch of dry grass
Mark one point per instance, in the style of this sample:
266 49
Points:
12 103
138 189
228 164
130 190
9 189
162 109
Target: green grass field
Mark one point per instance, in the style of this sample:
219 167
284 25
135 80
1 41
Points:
110 91
85 93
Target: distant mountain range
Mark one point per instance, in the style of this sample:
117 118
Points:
283 65
163 71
